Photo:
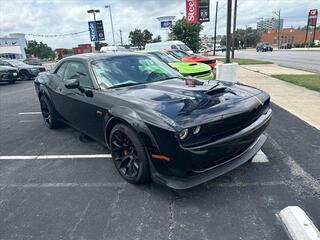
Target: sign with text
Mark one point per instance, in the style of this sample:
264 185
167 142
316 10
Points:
96 31
312 17
93 31
203 11
191 11
165 24
100 30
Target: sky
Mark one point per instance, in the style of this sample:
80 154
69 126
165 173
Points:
69 16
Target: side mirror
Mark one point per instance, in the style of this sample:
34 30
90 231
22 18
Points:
72 83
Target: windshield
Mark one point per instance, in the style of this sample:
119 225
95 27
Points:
178 54
120 71
183 47
17 63
164 57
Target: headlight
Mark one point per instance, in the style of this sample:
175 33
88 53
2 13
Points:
196 130
183 134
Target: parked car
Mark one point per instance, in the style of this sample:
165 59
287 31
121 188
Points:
113 49
33 61
264 47
177 45
26 71
194 69
8 74
185 57
178 130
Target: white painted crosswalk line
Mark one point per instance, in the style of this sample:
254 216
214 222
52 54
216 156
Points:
36 157
260 157
29 113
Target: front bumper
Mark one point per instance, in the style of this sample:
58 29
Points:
191 181
191 166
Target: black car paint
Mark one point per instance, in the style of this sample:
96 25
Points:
158 111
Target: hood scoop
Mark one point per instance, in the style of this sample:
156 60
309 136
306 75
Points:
216 90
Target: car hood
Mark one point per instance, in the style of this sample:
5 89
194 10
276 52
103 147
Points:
190 67
6 68
186 105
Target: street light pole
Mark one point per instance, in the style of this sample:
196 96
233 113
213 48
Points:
109 6
94 11
215 30
234 27
228 31
279 26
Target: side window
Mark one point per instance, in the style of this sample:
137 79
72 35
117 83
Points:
61 70
79 71
174 47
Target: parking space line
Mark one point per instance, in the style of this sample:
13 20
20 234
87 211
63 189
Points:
29 113
260 157
57 185
41 157
27 121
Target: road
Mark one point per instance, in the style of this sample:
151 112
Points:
85 198
303 60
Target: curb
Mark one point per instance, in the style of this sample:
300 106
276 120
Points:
297 224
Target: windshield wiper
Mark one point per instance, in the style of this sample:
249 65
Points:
124 85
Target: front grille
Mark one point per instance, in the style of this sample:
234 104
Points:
200 73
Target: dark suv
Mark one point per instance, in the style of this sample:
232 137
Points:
264 47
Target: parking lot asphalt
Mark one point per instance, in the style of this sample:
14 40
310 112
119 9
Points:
85 198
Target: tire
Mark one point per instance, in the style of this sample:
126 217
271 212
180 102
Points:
24 76
49 114
129 154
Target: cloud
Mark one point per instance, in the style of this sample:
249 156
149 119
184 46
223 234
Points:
66 16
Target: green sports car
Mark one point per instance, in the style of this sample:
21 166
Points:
197 70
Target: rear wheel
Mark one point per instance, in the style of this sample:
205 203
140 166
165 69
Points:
24 76
129 154
48 113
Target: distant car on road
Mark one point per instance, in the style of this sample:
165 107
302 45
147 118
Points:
33 61
185 57
194 69
8 74
174 45
264 47
26 71
178 131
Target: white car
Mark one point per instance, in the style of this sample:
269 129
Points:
175 45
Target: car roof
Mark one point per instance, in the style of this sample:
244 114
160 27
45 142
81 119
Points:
97 56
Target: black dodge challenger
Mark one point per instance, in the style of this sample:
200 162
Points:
178 131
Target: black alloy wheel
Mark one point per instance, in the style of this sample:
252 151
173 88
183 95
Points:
129 155
48 113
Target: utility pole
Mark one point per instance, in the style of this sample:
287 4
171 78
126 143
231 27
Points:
234 26
215 30
279 26
121 37
229 8
109 6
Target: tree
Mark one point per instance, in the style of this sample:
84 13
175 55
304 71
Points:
40 50
244 38
140 38
187 33
99 45
156 39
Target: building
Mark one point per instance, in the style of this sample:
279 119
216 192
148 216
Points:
288 35
269 23
82 48
13 46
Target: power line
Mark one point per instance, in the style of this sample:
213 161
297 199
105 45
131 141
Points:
56 35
